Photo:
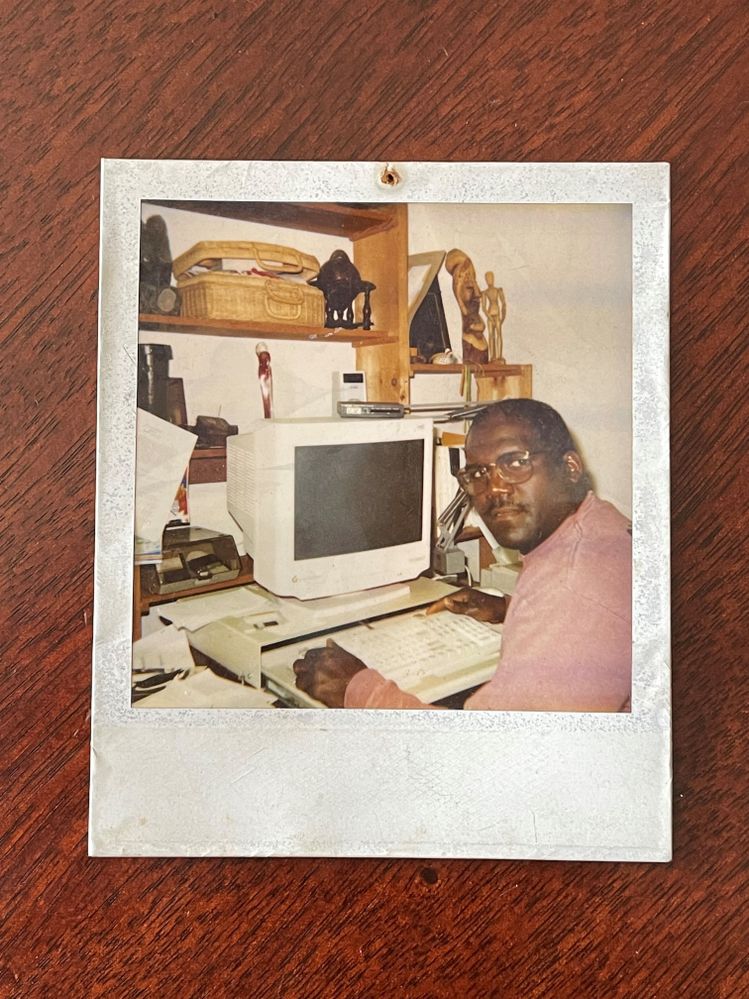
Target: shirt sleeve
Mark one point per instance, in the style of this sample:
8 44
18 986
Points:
370 689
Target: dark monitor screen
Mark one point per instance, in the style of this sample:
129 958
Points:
357 497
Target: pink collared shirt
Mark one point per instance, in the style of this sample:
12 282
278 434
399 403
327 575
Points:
567 637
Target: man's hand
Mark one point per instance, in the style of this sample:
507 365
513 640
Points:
325 673
474 603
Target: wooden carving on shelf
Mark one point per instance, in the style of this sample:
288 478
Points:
494 306
265 378
340 283
468 296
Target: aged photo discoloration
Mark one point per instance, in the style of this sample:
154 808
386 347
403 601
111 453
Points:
301 564
398 452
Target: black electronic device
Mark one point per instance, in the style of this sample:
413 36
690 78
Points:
191 557
153 378
358 409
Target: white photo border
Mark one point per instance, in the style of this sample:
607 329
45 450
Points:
361 783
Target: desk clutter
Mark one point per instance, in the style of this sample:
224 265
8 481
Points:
254 637
196 687
165 673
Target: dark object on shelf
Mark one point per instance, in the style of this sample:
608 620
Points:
155 301
361 410
191 557
153 378
212 431
340 283
428 332
156 296
175 394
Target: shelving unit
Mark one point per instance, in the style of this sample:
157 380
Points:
349 221
380 248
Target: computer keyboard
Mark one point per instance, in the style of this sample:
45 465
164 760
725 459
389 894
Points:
430 656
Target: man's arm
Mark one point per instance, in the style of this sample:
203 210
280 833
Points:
339 679
473 603
370 689
325 673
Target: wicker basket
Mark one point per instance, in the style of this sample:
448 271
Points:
264 256
251 299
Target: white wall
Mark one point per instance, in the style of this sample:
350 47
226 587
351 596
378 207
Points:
567 277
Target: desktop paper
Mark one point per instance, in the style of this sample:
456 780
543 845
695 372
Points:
162 454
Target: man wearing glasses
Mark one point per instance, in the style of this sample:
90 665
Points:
567 643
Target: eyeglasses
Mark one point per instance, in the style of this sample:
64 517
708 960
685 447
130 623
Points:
515 467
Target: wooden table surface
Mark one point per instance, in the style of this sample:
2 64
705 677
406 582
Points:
413 80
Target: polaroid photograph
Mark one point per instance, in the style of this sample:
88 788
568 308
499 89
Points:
382 529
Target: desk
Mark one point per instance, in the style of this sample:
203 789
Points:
258 644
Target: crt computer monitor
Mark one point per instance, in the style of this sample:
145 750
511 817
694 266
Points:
331 506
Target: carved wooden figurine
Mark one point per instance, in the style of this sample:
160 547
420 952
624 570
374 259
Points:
494 306
265 378
468 295
340 283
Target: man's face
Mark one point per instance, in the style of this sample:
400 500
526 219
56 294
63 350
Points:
522 515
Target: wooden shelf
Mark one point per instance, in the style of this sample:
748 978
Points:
262 331
494 381
349 221
490 369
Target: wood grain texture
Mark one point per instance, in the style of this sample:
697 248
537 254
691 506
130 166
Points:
413 80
